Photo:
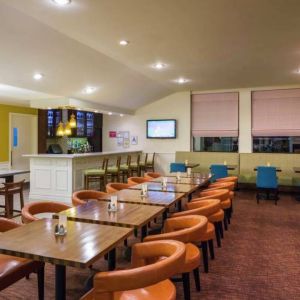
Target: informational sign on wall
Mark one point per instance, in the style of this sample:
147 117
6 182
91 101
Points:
112 134
15 137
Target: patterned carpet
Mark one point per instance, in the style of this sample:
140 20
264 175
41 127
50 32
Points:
259 258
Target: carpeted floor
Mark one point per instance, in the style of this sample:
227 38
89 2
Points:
259 258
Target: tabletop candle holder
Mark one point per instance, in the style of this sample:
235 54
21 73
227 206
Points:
268 164
225 163
113 204
144 190
164 183
186 162
189 172
61 227
178 175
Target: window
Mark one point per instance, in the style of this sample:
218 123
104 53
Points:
215 122
275 121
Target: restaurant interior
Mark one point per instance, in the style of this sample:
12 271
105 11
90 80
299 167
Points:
149 150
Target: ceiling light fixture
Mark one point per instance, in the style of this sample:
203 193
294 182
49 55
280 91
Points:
110 113
159 66
121 115
124 43
38 76
181 80
62 2
89 90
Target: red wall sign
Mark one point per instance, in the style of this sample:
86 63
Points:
112 134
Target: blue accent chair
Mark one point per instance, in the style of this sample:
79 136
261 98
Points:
218 171
266 182
177 167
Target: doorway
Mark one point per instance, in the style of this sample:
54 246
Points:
22 140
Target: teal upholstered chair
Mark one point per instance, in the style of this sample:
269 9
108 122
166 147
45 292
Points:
218 171
266 182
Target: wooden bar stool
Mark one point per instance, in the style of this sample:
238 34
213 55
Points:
125 168
8 191
150 164
96 175
143 165
114 171
135 166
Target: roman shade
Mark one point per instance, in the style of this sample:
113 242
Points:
276 113
215 115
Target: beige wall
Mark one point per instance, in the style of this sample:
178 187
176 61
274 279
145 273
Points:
175 106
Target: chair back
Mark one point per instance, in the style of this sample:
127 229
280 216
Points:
218 193
266 177
8 224
230 185
83 196
31 209
142 274
218 171
137 180
177 167
105 164
186 229
128 160
151 175
146 159
13 187
116 186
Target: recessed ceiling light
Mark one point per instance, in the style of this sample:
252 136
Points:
62 2
298 71
38 76
121 115
48 107
95 111
89 90
124 43
181 80
110 113
159 66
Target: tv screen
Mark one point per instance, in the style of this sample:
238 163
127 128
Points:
161 129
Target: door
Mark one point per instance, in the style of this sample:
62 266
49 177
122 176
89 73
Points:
23 140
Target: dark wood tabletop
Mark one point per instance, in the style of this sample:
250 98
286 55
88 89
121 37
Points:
191 165
82 245
153 198
171 187
127 215
296 169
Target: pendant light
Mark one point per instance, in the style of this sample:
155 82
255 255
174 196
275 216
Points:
72 121
60 129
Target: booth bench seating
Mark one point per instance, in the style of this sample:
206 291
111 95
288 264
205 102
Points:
246 162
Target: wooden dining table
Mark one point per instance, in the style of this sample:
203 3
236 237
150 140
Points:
187 189
155 198
83 244
200 181
130 215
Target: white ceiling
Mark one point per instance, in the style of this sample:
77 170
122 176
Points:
217 44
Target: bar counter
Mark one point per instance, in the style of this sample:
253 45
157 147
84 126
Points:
54 177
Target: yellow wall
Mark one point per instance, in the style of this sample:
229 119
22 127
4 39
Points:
4 126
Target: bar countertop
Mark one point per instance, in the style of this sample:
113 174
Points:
79 155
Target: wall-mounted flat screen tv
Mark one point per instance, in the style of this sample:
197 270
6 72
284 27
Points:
161 129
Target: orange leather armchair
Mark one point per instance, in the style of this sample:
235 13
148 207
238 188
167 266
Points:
151 175
146 280
116 186
137 180
207 237
229 179
186 229
12 268
31 209
81 197
224 196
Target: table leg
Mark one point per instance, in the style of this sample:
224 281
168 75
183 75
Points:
10 179
112 259
179 205
164 216
60 282
144 232
190 197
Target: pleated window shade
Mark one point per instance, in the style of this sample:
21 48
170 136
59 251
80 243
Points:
215 115
276 113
